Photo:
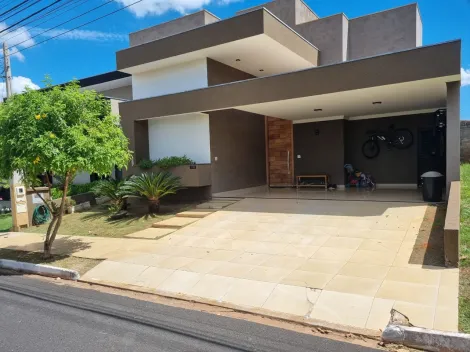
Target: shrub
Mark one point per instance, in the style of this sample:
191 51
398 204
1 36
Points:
153 187
56 193
173 161
145 164
113 189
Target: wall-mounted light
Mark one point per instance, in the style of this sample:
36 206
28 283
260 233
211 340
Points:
261 70
238 60
317 110
376 103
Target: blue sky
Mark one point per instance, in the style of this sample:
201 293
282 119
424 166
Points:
91 50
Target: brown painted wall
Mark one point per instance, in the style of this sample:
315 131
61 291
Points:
321 147
238 142
219 73
391 166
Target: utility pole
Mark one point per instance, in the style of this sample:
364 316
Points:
7 68
19 210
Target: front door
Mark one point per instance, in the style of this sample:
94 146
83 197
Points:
279 149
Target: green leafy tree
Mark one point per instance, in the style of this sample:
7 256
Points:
59 131
153 187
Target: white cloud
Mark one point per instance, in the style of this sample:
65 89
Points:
158 7
18 85
18 38
465 77
80 34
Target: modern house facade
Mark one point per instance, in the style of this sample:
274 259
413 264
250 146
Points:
276 92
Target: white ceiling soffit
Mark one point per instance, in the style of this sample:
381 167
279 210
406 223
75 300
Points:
409 96
256 53
117 83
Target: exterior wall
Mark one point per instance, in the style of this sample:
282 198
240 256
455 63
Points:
124 93
391 166
291 12
453 134
81 178
303 13
329 35
180 135
465 141
174 79
419 29
176 26
383 32
219 73
237 140
280 152
320 146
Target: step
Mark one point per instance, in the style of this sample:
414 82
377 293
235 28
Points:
198 214
213 205
219 199
174 223
151 233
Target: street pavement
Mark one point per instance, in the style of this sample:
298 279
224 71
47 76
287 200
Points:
38 315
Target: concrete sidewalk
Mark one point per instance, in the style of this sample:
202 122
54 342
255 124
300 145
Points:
343 262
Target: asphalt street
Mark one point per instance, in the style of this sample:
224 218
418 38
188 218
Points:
37 316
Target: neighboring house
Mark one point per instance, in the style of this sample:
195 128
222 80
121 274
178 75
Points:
115 86
276 91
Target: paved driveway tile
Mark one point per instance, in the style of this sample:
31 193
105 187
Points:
342 308
248 293
292 299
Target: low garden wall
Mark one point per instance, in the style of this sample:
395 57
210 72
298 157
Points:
452 226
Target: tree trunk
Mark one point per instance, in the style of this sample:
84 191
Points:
50 236
154 206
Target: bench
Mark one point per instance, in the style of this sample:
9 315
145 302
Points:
317 180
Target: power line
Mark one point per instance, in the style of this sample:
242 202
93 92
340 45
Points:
70 30
70 20
20 10
63 6
32 15
14 7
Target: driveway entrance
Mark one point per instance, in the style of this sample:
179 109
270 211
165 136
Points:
344 262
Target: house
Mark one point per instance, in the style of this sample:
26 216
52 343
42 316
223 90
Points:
277 92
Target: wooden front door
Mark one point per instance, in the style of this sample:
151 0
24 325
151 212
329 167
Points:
280 150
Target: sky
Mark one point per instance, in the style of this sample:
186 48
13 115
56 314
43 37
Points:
91 49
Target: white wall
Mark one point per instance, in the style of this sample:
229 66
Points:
168 80
81 178
180 135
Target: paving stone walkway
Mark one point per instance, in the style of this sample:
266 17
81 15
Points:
343 262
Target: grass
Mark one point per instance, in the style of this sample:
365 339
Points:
464 294
82 265
5 222
96 222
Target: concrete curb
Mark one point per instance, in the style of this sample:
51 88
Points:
39 269
425 339
288 318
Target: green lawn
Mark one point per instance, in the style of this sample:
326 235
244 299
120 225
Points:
5 222
96 222
464 304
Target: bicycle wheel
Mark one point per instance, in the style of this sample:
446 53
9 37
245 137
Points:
403 138
370 149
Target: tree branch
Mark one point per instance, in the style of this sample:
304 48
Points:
44 201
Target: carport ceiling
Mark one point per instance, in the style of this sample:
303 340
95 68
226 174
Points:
409 96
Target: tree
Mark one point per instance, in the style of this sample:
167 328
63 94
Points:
153 187
59 131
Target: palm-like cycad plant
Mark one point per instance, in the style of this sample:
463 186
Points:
153 187
112 189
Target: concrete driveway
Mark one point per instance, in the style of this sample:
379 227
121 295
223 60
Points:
343 262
